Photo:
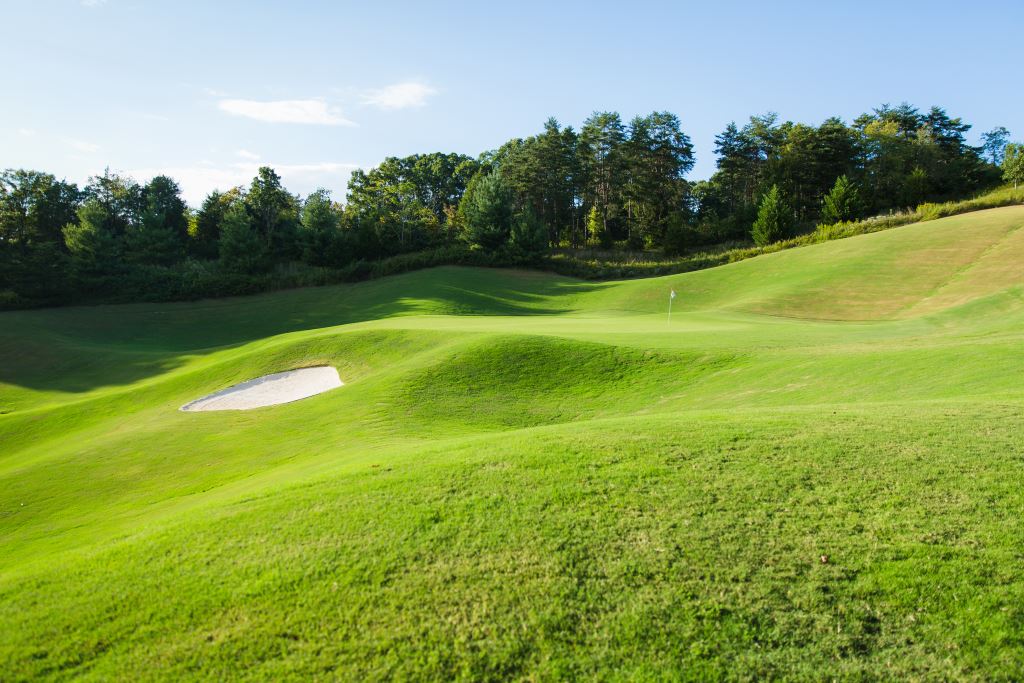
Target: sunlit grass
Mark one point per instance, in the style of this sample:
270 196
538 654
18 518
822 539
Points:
813 472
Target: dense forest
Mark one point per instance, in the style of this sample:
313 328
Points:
611 184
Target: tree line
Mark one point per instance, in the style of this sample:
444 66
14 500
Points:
611 184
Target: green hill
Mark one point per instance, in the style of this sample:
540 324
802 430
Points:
814 472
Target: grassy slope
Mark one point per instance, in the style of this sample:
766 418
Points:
530 475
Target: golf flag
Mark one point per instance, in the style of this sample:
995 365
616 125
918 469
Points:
672 294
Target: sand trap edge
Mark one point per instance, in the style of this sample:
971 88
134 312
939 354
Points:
269 390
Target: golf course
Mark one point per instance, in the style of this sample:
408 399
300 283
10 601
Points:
812 471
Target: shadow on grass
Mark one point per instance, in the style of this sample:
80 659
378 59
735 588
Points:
79 349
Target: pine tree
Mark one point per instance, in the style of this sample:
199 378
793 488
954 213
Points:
92 245
529 236
318 228
152 241
241 248
487 211
842 203
162 197
658 154
603 163
916 187
274 213
204 233
774 218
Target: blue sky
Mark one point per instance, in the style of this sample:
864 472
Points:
207 91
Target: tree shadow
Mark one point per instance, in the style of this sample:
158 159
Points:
79 349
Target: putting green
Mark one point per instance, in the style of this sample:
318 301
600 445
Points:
814 471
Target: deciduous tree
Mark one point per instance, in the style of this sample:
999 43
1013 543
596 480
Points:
1013 164
994 143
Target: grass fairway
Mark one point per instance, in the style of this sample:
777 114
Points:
816 472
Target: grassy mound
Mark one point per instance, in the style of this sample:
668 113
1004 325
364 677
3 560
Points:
525 381
898 273
813 471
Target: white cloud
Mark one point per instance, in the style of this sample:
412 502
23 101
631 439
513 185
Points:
399 96
93 3
26 132
314 169
199 180
286 111
246 154
83 146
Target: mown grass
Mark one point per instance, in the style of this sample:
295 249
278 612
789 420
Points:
812 473
686 548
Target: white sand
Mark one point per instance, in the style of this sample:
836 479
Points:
270 390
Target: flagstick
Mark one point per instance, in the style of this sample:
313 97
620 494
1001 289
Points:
670 310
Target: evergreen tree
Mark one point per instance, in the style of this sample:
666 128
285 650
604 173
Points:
319 234
158 235
161 198
529 238
543 173
242 248
677 235
842 203
205 231
774 218
737 163
559 177
152 241
658 155
93 246
603 164
274 213
487 211
916 187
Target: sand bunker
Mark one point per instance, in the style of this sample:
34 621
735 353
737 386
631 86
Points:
270 390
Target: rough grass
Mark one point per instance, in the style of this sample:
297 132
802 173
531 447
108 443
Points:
610 265
813 473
